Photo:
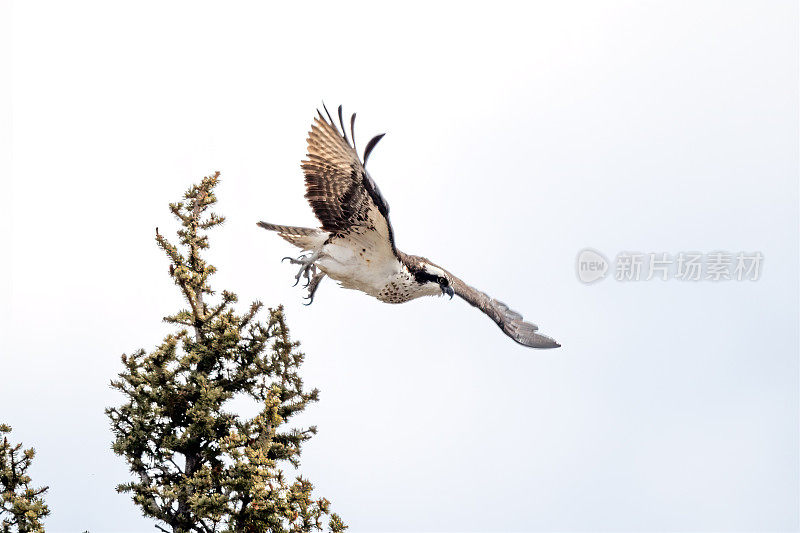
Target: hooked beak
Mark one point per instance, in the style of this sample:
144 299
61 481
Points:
448 290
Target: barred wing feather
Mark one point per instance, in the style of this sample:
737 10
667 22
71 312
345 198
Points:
508 320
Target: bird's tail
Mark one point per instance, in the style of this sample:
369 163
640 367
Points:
305 238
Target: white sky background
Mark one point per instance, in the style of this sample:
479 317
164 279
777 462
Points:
516 137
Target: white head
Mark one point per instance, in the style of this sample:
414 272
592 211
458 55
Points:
431 279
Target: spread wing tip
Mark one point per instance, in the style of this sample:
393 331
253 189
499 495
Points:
526 334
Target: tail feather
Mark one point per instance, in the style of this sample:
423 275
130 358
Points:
306 238
290 230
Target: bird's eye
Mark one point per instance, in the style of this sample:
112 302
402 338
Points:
443 282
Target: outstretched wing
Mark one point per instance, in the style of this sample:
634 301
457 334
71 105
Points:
342 194
509 320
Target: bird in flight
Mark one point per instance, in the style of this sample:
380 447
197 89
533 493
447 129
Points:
355 245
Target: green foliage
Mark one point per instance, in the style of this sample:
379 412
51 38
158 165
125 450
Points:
197 466
21 506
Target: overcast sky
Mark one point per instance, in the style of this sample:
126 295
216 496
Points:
516 137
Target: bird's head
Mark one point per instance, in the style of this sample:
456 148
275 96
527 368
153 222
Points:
433 280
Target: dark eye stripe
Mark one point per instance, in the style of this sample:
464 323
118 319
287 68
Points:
423 277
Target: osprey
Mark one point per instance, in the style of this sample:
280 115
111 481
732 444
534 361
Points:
355 245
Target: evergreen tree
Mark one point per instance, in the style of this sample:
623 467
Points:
21 506
197 466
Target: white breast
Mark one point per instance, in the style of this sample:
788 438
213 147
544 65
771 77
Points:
358 269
